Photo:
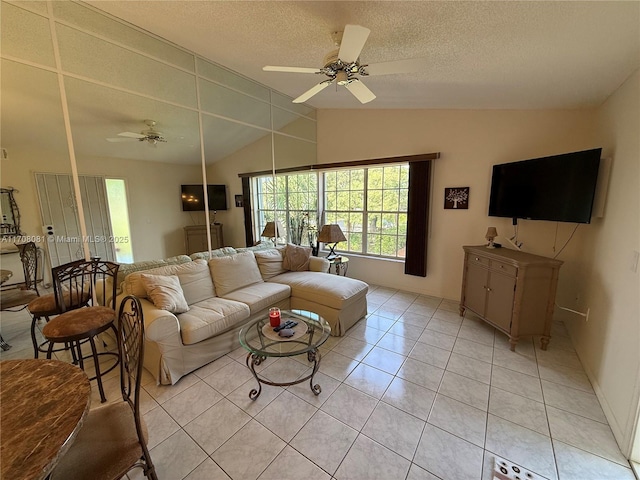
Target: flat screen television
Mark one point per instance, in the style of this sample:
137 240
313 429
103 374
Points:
193 197
559 188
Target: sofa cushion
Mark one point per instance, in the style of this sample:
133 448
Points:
263 245
260 296
319 264
210 317
296 258
194 277
331 290
127 268
270 262
218 252
165 292
234 272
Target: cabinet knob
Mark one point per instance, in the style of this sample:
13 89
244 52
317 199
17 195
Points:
488 289
477 259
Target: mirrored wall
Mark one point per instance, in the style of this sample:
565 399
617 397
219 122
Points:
122 84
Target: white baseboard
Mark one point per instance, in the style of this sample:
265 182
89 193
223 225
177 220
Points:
618 432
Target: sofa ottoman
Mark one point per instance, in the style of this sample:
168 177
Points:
340 300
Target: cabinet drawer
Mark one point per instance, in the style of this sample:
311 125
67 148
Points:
504 268
478 260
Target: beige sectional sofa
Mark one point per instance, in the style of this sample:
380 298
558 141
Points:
194 307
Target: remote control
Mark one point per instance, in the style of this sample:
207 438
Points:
287 324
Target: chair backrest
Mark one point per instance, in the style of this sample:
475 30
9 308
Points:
83 282
131 349
29 257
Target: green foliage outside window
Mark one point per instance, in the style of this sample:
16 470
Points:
369 204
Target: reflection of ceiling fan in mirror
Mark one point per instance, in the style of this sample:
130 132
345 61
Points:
343 66
151 135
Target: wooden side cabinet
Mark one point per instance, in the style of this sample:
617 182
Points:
195 238
512 290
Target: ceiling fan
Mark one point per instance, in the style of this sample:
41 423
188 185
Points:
151 135
343 66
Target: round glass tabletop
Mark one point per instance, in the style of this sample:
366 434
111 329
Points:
310 332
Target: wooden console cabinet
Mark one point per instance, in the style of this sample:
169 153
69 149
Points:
195 238
512 290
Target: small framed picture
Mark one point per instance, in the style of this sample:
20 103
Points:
456 198
239 201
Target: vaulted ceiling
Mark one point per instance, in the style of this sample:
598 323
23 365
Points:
513 55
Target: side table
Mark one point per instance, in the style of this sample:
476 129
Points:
341 265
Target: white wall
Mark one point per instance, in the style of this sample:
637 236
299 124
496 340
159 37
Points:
155 211
155 208
609 344
469 142
596 273
255 157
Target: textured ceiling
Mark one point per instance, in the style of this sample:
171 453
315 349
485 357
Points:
513 55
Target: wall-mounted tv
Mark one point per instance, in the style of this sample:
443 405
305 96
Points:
559 188
193 197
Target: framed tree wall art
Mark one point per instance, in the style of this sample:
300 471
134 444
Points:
456 198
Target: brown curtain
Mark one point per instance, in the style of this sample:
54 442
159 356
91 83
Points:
248 221
418 219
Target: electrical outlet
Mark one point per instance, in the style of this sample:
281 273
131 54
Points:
48 232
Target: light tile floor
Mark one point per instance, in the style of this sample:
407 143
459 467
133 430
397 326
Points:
411 392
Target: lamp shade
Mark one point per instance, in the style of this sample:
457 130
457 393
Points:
492 233
272 230
331 234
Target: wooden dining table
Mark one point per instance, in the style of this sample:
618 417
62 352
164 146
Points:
43 404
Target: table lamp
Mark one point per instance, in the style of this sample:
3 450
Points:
273 230
331 234
491 234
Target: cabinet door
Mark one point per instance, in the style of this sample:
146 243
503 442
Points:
500 300
475 290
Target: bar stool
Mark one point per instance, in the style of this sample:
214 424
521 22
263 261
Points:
73 284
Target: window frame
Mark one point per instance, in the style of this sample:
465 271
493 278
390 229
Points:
268 209
418 219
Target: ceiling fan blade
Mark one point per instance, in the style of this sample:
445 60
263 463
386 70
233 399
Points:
398 66
271 68
360 91
122 139
131 135
312 91
353 40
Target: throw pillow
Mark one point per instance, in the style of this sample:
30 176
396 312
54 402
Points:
194 276
296 258
269 262
234 272
165 292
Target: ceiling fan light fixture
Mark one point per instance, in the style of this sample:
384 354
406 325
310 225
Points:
342 77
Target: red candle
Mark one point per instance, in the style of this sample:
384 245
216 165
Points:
274 316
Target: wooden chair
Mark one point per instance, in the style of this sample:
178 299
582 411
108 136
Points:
76 284
113 438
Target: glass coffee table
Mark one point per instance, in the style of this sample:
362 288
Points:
261 341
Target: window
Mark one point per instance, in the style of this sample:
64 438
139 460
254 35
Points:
119 216
293 199
369 204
